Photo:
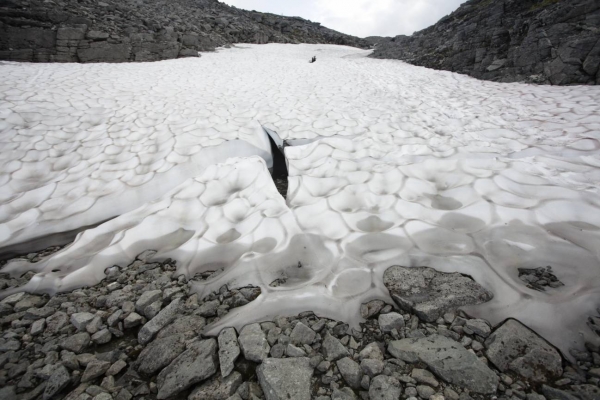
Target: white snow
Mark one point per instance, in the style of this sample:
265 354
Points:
408 165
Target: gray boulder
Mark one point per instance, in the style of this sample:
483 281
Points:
194 365
229 350
81 320
146 299
253 343
514 347
285 378
429 293
449 360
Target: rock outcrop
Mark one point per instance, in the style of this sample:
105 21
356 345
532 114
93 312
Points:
539 41
115 31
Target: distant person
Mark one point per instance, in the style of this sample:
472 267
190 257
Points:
312 60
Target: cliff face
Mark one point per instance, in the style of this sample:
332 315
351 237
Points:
142 30
539 41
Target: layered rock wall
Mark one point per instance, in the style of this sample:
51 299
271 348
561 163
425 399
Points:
142 30
539 41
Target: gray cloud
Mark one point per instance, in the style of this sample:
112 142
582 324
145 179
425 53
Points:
360 17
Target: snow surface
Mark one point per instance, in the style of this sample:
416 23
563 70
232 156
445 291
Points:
408 166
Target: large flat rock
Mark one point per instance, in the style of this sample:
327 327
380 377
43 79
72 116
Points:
449 360
285 378
514 347
429 293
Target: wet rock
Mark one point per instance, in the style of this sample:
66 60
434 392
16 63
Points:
194 365
384 388
513 347
160 353
449 360
209 308
164 317
333 349
217 388
253 343
59 380
285 378
429 293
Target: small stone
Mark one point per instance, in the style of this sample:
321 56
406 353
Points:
217 388
371 308
146 299
160 353
38 327
59 380
302 334
390 321
479 327
209 308
372 367
333 349
76 343
253 343
372 350
164 317
102 337
132 320
424 376
285 378
293 351
81 320
384 388
351 372
425 392
94 369
229 350
116 368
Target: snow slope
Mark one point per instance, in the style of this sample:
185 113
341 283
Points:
409 166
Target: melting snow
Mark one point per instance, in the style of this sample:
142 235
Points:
406 166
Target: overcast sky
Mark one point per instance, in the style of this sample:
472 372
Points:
360 17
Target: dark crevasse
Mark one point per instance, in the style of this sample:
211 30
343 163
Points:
279 171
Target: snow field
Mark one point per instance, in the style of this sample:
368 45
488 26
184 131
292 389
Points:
407 165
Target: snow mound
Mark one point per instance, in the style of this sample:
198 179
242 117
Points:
230 217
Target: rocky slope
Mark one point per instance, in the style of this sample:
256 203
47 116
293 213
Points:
541 41
143 30
142 334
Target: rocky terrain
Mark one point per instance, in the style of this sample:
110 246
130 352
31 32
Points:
139 335
539 41
116 31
